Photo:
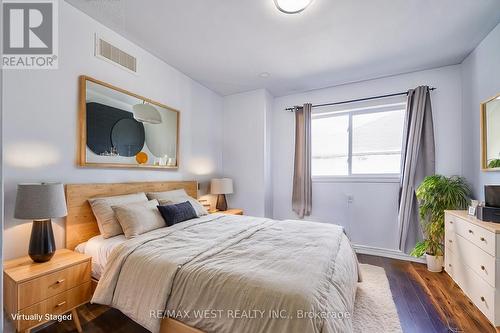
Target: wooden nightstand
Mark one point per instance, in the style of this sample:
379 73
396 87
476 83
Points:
43 289
235 211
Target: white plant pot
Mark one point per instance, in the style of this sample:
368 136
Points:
434 263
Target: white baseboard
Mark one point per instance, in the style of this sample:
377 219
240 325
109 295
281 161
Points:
387 253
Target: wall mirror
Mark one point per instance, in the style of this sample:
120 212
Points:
122 129
490 134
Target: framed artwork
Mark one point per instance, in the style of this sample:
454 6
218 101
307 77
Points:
122 129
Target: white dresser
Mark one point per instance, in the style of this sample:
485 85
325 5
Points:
472 252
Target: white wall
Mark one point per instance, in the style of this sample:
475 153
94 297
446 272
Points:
481 80
246 148
371 218
40 110
268 171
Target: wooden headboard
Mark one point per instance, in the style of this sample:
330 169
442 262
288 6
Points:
81 224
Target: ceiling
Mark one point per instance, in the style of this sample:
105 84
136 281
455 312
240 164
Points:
226 44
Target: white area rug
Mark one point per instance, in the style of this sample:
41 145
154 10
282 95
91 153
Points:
374 310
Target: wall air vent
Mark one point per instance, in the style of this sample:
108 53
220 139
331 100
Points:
107 51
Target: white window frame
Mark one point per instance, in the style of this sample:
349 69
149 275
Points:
359 178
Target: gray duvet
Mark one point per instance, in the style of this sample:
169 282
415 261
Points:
224 273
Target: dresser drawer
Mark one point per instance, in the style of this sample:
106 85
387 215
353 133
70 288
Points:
479 292
57 304
449 223
450 240
478 260
480 237
43 287
448 262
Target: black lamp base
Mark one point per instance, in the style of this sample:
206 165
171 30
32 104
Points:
42 244
221 202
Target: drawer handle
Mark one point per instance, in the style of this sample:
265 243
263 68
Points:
482 299
483 268
482 239
61 304
449 240
471 232
449 265
60 281
451 222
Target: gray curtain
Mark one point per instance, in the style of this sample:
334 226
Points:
302 187
417 162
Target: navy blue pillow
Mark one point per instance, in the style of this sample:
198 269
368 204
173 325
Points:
176 213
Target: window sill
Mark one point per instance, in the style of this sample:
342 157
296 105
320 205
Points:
357 179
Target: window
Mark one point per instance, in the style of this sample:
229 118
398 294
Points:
358 139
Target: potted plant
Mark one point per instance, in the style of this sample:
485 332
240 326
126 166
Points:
435 195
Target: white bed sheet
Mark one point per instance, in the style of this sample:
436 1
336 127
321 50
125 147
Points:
100 248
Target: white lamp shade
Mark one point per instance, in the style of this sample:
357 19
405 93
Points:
40 201
221 186
146 113
292 6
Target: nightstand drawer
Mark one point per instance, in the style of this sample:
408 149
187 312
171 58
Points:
43 287
57 304
234 211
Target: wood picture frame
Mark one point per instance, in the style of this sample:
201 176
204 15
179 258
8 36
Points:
82 128
484 135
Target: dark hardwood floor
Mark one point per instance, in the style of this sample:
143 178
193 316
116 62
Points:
426 303
429 302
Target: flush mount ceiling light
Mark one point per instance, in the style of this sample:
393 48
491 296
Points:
292 6
146 113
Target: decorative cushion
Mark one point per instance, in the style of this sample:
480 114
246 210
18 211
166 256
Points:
176 213
177 196
106 220
138 218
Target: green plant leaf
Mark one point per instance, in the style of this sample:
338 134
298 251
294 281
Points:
494 163
419 249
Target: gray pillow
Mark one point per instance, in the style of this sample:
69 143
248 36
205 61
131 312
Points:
106 220
138 218
177 196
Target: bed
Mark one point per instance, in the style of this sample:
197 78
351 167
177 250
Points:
219 273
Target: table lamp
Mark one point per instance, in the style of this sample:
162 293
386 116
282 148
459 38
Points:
221 187
40 202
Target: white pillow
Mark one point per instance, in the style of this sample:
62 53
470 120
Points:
106 220
138 218
177 196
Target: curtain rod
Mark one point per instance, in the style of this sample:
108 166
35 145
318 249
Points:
357 100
